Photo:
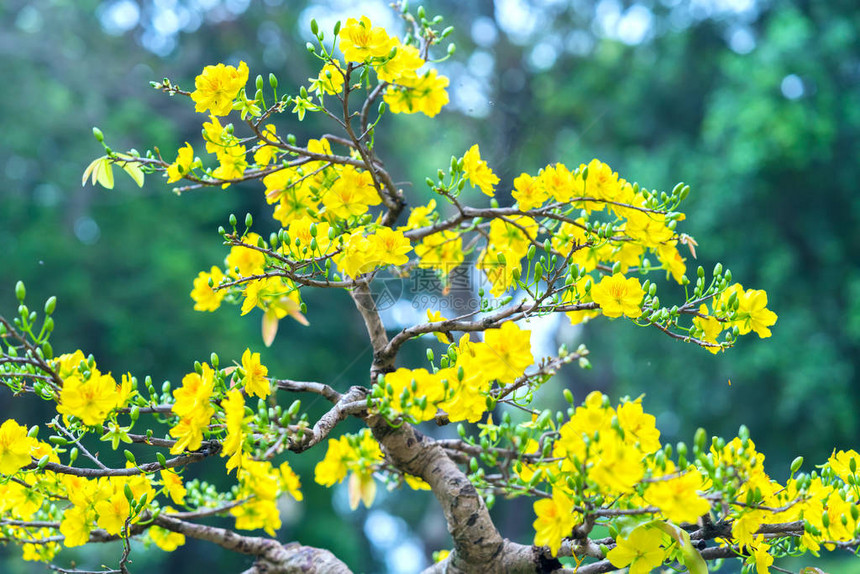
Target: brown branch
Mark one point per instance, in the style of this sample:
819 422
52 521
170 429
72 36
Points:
272 556
353 402
182 460
308 387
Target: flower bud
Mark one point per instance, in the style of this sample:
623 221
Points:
797 463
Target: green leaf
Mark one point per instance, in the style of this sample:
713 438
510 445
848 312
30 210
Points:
689 554
132 169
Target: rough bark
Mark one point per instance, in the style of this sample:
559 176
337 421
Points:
272 556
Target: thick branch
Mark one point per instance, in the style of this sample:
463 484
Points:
272 556
352 402
382 362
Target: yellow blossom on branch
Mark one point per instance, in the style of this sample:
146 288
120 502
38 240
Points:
15 447
113 513
205 297
182 166
90 400
173 486
529 192
619 296
478 173
405 63
555 520
217 87
165 539
412 94
234 415
359 40
642 551
678 498
255 380
76 525
505 353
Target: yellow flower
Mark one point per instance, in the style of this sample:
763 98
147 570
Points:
360 41
389 246
195 392
412 94
113 513
255 380
618 467
329 80
216 136
76 525
558 181
69 363
173 485
89 400
442 250
647 228
602 182
357 256
192 404
351 193
258 291
415 482
478 173
290 481
232 164
124 391
361 488
234 413
332 468
618 296
529 192
760 556
555 520
588 419
257 477
405 62
671 261
840 462
22 501
205 297
710 326
639 427
248 261
753 314
677 498
182 165
505 354
468 393
421 216
514 236
358 454
409 388
257 513
217 86
165 539
15 447
642 550
264 154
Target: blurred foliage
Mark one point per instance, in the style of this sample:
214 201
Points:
755 104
